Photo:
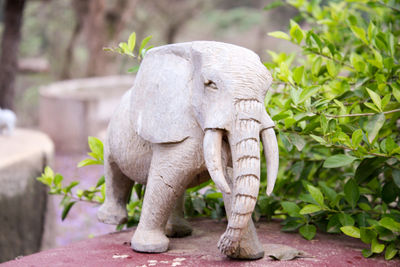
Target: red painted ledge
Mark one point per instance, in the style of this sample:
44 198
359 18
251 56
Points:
200 249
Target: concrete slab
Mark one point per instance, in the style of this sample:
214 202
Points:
200 250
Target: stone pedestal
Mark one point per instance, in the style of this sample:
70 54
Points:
72 110
200 249
22 199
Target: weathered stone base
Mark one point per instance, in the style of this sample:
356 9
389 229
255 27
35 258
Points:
23 156
200 249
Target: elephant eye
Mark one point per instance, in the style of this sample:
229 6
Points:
211 85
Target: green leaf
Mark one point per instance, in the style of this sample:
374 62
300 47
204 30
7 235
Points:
376 247
327 191
87 162
351 192
279 35
356 137
351 231
396 177
396 92
358 62
367 235
376 99
67 208
292 226
96 146
274 4
48 172
57 180
318 139
316 66
298 74
291 208
124 47
346 219
310 208
373 126
364 206
331 67
216 195
307 93
70 186
297 141
285 140
134 69
333 225
368 168
296 32
366 253
371 106
308 231
101 181
131 42
389 192
316 194
143 45
390 224
391 251
339 160
360 33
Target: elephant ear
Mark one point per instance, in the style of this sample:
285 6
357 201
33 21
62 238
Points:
161 95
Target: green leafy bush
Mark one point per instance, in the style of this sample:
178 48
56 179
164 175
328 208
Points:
337 107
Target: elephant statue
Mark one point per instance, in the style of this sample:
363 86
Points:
195 112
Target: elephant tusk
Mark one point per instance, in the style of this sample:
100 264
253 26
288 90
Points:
271 153
212 145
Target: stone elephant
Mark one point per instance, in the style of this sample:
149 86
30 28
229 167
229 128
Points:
196 111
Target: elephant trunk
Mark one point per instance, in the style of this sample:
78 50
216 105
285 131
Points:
245 148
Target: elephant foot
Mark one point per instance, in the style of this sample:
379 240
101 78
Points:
178 227
249 247
150 241
112 214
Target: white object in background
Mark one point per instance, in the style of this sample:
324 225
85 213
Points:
7 121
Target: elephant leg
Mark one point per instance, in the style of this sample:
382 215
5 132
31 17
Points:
118 188
249 246
177 226
172 168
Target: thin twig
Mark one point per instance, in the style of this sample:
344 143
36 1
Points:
352 149
335 60
388 6
80 199
360 114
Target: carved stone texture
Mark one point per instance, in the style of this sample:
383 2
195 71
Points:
195 112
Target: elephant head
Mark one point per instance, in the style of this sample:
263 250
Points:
217 90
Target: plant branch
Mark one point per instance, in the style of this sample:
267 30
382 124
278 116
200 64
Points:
335 60
360 114
352 149
388 6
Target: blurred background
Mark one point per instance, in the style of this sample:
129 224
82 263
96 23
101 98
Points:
64 39
47 41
